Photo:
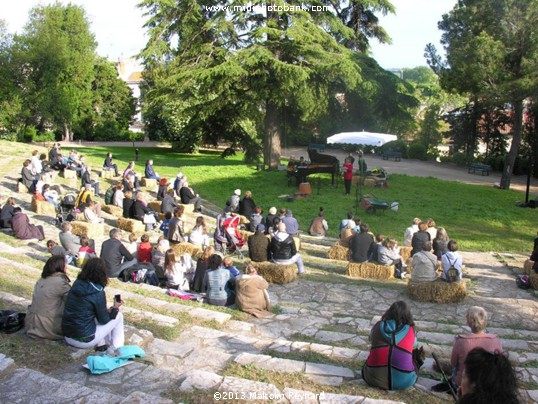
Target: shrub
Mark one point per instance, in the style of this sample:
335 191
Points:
496 162
521 166
459 159
417 151
45 137
300 137
395 146
27 135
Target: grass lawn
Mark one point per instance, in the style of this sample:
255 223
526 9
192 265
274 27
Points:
480 218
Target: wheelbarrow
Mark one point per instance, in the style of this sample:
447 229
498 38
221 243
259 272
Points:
371 204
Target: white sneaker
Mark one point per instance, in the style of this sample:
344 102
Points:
403 275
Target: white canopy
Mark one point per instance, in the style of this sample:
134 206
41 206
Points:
364 138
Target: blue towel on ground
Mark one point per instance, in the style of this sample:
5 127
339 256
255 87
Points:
106 363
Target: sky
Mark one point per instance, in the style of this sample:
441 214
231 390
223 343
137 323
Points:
117 25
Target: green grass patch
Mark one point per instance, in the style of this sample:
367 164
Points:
307 338
311 356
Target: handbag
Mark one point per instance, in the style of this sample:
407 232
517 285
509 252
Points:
11 321
149 219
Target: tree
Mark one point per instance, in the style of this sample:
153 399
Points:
251 58
59 50
492 55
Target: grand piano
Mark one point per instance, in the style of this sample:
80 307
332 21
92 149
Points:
319 163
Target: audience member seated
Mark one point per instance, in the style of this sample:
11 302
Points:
68 240
159 256
115 256
247 205
389 254
179 182
84 198
86 251
255 219
390 364
144 250
140 211
258 245
228 264
108 164
128 183
424 265
44 317
54 157
165 224
7 213
216 283
283 250
23 229
234 200
163 188
89 214
35 164
408 234
452 259
129 169
28 179
226 235
440 243
269 220
477 320
348 222
488 378
199 234
188 197
201 268
176 270
132 245
117 199
251 293
318 226
87 321
292 226
362 244
50 195
149 171
375 251
432 230
86 179
420 238
54 249
128 202
168 202
176 232
290 168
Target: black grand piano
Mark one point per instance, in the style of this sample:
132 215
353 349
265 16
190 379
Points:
319 163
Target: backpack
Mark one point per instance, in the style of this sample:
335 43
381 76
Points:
109 195
11 321
523 282
452 273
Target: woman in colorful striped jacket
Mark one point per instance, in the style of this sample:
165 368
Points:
390 365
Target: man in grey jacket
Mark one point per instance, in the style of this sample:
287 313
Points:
116 256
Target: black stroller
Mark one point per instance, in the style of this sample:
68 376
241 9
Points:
66 212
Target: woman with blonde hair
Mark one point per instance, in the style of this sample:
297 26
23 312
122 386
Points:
440 243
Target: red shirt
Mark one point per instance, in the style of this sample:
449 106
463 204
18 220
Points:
144 252
348 171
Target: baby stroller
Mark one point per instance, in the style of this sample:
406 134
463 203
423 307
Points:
227 236
66 211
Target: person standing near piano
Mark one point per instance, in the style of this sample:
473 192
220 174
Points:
347 169
362 165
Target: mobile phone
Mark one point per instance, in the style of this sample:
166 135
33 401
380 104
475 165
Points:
117 298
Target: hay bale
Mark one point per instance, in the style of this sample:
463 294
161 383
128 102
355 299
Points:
527 267
150 183
155 206
106 174
69 173
370 270
21 188
194 250
369 182
405 252
339 252
533 278
43 208
297 241
91 230
245 234
438 291
131 225
276 273
113 210
188 208
243 220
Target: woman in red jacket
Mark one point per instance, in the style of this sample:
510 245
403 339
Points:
348 175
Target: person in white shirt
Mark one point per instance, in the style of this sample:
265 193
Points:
452 258
90 215
408 234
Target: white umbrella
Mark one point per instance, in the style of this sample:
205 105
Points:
364 138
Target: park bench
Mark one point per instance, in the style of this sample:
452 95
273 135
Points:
316 146
396 155
482 168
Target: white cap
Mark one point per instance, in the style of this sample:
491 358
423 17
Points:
237 192
179 175
272 211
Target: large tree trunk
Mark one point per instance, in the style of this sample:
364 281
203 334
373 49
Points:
68 134
271 141
514 148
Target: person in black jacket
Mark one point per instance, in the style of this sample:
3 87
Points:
108 164
139 208
28 178
362 244
169 202
115 255
86 179
189 197
7 213
247 205
283 250
258 245
87 321
420 238
128 202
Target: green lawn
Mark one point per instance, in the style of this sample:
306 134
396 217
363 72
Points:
480 218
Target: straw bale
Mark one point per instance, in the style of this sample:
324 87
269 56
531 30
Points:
245 234
533 278
243 220
149 183
113 210
69 173
276 273
527 267
405 252
370 270
437 291
106 174
297 241
92 230
155 206
43 208
21 188
369 182
339 252
131 225
188 208
194 250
